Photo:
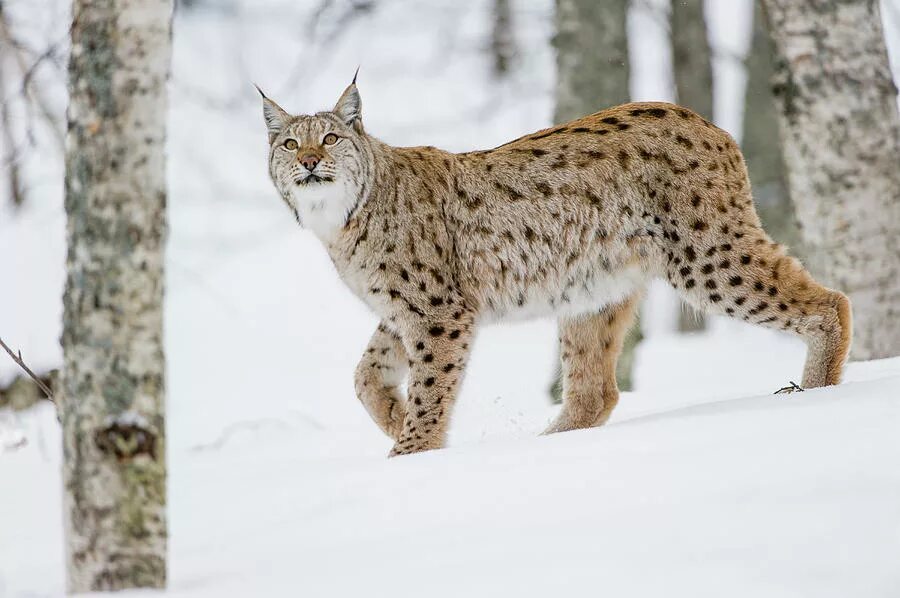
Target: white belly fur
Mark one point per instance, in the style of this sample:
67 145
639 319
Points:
590 297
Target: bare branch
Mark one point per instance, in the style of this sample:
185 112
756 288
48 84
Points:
17 357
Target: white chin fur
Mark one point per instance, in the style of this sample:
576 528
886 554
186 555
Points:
323 207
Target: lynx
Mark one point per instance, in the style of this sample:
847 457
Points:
571 221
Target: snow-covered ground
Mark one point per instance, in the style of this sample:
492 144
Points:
767 495
704 484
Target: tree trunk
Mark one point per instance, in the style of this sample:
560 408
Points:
760 145
503 43
692 64
837 106
112 383
591 57
592 73
691 58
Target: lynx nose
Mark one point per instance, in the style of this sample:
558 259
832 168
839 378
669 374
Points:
309 161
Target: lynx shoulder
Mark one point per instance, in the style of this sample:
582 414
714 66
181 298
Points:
571 221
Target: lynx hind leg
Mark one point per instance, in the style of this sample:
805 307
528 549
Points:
745 275
589 349
378 375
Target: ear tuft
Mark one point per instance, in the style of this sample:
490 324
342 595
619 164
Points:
349 106
274 115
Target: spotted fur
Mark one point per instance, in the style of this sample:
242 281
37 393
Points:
571 221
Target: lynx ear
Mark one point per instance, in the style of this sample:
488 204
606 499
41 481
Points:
349 106
276 118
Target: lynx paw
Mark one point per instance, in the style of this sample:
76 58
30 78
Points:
393 421
410 447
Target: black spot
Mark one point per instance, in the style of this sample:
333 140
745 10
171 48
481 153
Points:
538 153
758 286
449 367
745 259
740 300
611 120
436 330
699 225
782 307
437 301
715 297
710 284
707 268
773 291
429 381
454 334
689 283
735 281
428 358
684 271
690 254
684 141
724 264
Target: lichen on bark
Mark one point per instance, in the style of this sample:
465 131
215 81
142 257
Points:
112 385
837 105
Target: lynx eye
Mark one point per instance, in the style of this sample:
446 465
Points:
291 144
330 139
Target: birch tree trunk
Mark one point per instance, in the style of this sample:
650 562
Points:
592 73
760 145
841 135
692 66
112 384
691 57
503 41
591 57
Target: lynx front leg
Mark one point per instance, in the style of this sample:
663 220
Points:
589 348
438 355
378 375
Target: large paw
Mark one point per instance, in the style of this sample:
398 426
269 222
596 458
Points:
412 446
394 416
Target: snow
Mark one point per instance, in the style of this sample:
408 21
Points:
767 495
703 484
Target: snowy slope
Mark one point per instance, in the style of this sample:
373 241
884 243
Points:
758 496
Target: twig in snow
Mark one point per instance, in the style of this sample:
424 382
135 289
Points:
794 387
17 357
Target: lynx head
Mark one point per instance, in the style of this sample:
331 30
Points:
320 163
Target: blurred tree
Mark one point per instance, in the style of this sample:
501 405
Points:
692 64
112 383
591 57
762 151
592 73
837 106
19 64
503 42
